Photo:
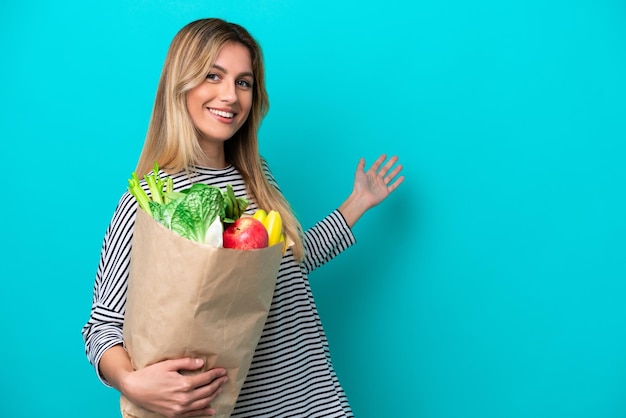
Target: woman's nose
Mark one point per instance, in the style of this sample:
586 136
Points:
228 93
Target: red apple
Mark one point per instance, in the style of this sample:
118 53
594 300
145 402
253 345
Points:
245 234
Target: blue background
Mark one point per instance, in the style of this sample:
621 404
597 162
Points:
491 284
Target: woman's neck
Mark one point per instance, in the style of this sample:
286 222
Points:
213 156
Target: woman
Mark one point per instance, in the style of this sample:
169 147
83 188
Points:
209 104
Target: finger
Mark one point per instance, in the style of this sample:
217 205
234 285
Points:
202 403
202 397
389 177
200 412
186 363
207 378
378 162
395 184
388 165
361 165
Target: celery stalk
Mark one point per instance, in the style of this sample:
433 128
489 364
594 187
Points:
155 191
142 198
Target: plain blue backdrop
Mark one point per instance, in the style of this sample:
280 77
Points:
490 285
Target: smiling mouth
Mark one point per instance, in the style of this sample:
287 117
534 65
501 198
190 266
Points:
221 113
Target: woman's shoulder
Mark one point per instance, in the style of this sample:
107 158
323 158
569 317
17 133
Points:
126 207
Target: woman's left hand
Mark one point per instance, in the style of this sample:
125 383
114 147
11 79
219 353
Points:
371 186
375 184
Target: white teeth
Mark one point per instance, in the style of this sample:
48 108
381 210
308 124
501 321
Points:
222 113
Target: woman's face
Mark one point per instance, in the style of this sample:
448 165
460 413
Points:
220 105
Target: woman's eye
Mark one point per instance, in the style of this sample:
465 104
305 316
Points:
212 76
244 83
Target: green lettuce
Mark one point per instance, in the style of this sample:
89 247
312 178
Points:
196 213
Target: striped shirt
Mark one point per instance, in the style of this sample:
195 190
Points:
291 374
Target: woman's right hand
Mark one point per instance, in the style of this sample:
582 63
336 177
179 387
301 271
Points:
161 388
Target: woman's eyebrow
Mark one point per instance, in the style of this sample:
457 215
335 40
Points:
244 74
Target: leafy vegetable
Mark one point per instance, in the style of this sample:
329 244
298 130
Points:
196 213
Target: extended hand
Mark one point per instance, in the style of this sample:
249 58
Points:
371 187
161 388
375 184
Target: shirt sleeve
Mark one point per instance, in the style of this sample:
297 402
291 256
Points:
103 330
325 240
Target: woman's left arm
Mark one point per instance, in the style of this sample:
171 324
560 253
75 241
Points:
371 187
333 234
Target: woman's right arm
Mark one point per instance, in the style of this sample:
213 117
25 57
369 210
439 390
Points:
103 330
159 387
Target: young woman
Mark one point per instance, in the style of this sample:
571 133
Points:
209 104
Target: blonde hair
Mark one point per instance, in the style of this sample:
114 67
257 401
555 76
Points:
172 141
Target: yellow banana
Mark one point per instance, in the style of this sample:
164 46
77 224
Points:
274 225
260 215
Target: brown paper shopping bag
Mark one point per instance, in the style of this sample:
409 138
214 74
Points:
189 299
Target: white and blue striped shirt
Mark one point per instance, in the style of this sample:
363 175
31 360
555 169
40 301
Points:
291 374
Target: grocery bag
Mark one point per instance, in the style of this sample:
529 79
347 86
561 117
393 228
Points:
187 299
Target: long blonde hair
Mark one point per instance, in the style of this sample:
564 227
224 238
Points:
172 139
